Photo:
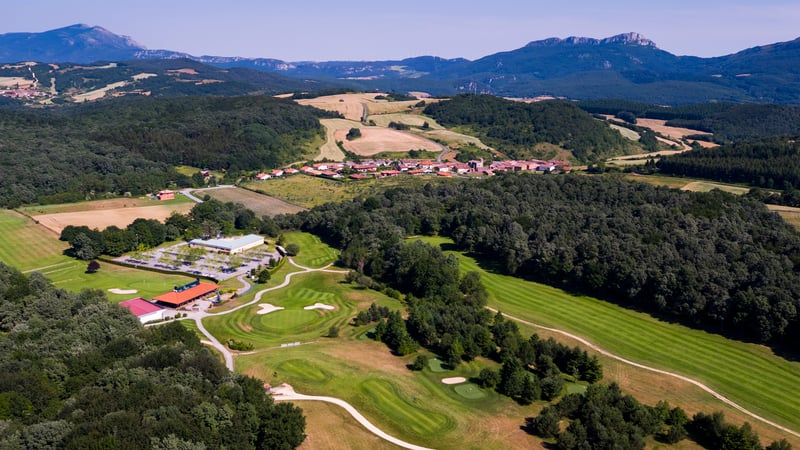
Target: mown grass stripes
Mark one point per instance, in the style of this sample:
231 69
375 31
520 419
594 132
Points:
746 373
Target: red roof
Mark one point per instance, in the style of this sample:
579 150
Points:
140 307
179 298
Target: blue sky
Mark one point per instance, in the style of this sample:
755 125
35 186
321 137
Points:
363 30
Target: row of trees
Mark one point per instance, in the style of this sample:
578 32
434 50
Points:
77 372
710 260
519 128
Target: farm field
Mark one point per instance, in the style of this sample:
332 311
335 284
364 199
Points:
329 149
681 183
99 205
32 248
376 140
353 106
120 216
414 120
753 377
262 205
708 186
313 191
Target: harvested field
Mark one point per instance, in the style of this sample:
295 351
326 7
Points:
379 140
707 186
453 139
659 126
98 93
98 205
262 205
353 106
625 132
414 120
329 150
13 82
102 218
789 214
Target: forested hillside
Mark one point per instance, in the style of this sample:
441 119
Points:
77 372
709 260
518 129
67 153
729 122
772 164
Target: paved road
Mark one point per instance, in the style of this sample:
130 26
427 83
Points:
286 392
653 369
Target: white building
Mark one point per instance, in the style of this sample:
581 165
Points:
144 310
230 246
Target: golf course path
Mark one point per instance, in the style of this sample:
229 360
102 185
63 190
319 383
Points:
287 392
702 386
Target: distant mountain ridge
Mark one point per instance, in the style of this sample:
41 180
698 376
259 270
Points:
627 65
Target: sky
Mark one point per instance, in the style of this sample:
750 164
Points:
318 30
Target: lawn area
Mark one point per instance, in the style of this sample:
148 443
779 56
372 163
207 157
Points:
294 323
751 374
313 252
32 248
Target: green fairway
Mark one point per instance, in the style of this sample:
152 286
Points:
435 364
294 323
31 248
413 406
26 245
746 373
313 252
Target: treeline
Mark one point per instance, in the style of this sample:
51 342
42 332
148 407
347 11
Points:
519 129
729 122
709 260
770 163
205 220
603 417
76 152
79 372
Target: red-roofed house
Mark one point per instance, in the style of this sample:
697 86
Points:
180 297
166 195
144 310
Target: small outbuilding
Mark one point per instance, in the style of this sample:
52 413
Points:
144 310
166 195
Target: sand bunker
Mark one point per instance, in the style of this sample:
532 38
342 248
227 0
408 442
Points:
267 308
454 380
122 291
320 306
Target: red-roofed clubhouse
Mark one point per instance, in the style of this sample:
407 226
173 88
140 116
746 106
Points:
143 309
179 298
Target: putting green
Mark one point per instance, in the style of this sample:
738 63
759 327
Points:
436 365
469 391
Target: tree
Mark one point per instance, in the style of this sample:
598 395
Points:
264 276
84 247
292 249
93 266
333 332
488 378
419 363
354 133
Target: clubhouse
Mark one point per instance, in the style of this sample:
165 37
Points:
181 295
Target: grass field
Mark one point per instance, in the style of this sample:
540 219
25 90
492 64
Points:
32 248
753 376
262 205
414 120
708 186
99 205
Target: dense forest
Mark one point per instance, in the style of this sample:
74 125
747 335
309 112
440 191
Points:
728 122
71 152
78 372
709 260
771 163
518 129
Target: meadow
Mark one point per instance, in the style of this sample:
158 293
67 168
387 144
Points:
748 374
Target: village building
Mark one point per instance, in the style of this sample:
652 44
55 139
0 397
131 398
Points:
144 310
230 246
165 195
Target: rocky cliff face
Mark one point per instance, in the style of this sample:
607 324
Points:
624 38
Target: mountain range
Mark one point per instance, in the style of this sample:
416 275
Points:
627 66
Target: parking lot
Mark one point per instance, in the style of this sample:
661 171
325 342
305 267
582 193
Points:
218 266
